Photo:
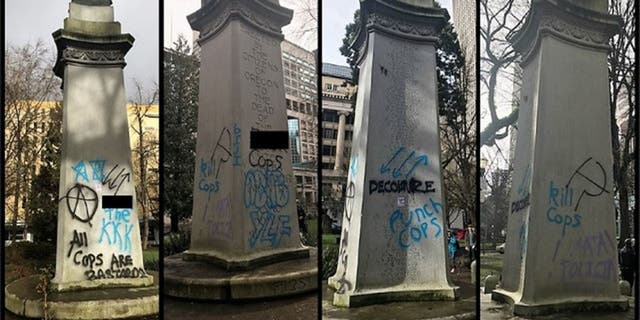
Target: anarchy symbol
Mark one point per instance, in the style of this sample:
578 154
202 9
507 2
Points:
82 202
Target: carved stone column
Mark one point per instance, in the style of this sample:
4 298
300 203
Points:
245 239
99 264
342 123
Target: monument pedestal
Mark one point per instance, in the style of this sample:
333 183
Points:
200 280
22 298
393 242
99 252
245 240
561 251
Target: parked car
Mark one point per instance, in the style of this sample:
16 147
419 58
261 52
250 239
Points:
500 248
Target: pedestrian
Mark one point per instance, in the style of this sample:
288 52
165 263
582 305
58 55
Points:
627 259
453 247
301 219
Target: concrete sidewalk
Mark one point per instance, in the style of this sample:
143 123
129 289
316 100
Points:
491 310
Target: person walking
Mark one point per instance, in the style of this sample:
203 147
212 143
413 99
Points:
627 258
453 247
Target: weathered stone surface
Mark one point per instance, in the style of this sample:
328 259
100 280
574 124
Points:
200 280
21 298
561 247
393 231
98 230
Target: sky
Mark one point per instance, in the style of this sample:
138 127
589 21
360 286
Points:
176 12
27 21
336 14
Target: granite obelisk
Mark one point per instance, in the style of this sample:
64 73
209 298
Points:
561 243
245 222
393 232
99 272
98 230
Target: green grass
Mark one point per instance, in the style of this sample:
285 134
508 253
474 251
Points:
329 240
151 258
490 263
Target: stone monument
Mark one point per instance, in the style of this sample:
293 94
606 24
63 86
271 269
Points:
99 263
393 242
245 240
561 244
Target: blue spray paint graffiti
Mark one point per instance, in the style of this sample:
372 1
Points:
414 229
97 168
560 209
265 194
268 227
81 171
523 193
265 189
236 144
353 168
397 171
111 228
208 183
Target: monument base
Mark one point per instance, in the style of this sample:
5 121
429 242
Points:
370 297
245 263
525 309
103 284
201 280
22 298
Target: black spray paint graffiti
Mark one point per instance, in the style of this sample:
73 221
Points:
82 203
344 284
121 266
401 186
222 151
562 210
115 179
596 188
79 239
265 160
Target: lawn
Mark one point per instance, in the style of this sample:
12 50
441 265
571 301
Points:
329 240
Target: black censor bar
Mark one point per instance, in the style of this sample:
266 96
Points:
269 140
117 202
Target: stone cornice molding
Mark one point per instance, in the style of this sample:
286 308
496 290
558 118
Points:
93 57
266 16
398 19
564 21
96 51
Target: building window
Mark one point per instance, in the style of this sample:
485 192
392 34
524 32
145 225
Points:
330 116
329 133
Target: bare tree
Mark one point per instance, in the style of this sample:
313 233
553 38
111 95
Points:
304 25
621 66
498 20
29 84
145 152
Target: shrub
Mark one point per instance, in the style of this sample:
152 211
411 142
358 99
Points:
175 243
329 261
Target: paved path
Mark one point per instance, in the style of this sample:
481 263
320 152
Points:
491 310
